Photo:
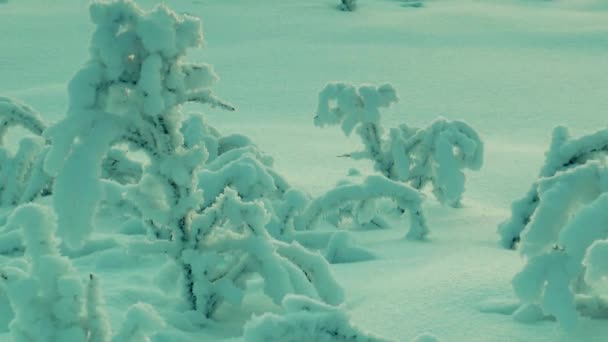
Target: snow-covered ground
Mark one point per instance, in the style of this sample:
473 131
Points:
513 69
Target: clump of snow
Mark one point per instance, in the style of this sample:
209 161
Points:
305 319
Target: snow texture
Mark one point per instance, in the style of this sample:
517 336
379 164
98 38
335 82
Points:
305 320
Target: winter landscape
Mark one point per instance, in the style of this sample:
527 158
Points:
322 170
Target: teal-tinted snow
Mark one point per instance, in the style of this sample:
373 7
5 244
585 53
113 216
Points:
140 322
98 323
569 218
483 61
596 268
48 298
305 319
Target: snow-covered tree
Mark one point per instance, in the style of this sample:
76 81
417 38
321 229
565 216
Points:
564 153
206 198
21 176
348 5
434 155
561 227
230 243
48 299
305 319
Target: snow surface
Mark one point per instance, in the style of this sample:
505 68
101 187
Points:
512 69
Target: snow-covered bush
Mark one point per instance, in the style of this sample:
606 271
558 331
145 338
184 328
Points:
305 319
230 242
348 5
434 155
562 226
21 176
564 153
204 196
49 298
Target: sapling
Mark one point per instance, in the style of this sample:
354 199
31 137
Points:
559 228
434 155
195 192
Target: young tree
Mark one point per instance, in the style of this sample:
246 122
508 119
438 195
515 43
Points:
49 298
432 155
561 227
195 193
564 153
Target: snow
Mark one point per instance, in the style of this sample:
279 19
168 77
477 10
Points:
512 69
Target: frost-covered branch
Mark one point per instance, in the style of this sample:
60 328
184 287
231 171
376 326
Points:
21 176
305 319
564 153
373 187
569 222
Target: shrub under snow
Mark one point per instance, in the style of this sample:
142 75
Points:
206 198
562 227
434 155
49 299
305 319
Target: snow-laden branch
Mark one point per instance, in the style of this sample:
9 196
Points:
305 319
373 187
230 242
564 153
